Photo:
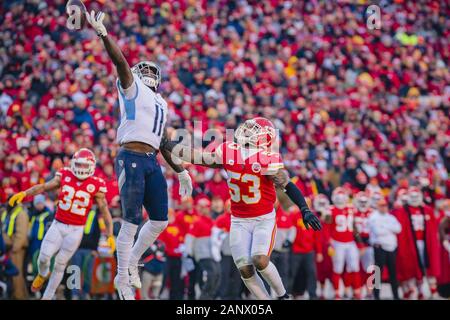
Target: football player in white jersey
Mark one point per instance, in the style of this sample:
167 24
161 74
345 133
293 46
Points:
143 115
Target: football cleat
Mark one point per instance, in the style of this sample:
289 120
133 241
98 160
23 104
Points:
38 282
124 290
286 296
135 280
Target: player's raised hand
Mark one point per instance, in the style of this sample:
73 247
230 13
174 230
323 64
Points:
17 198
311 220
185 184
96 21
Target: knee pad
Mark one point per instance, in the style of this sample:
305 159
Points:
60 265
61 260
44 259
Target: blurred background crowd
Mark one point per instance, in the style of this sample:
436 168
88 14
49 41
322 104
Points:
367 110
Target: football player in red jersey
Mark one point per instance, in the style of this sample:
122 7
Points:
346 254
254 172
362 213
78 189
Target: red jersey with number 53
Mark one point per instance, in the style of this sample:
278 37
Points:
252 192
76 197
342 224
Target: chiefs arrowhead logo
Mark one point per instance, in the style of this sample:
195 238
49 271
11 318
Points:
67 179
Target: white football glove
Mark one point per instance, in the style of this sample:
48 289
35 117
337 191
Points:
96 21
185 184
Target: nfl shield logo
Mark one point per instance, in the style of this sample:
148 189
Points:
256 167
90 188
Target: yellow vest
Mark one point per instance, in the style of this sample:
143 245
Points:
41 228
12 220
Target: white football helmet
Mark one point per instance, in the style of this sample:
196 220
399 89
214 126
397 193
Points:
149 72
362 201
339 198
321 203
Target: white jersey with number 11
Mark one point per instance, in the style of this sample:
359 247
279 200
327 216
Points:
143 115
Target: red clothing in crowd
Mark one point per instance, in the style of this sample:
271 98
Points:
407 258
172 237
201 226
306 240
223 221
184 220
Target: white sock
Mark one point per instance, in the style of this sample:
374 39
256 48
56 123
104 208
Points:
271 275
256 286
54 281
43 264
147 236
124 245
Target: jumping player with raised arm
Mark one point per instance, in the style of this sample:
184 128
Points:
79 188
254 172
143 115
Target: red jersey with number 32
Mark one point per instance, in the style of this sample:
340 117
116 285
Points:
342 224
76 197
252 192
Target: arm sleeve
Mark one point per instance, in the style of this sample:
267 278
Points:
296 196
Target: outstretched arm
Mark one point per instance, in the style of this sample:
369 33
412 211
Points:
167 155
183 176
281 181
114 52
189 154
37 189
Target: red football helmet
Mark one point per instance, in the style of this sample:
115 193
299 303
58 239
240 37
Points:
339 197
258 132
362 201
83 163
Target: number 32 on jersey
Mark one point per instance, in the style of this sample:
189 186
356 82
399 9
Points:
74 201
245 182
